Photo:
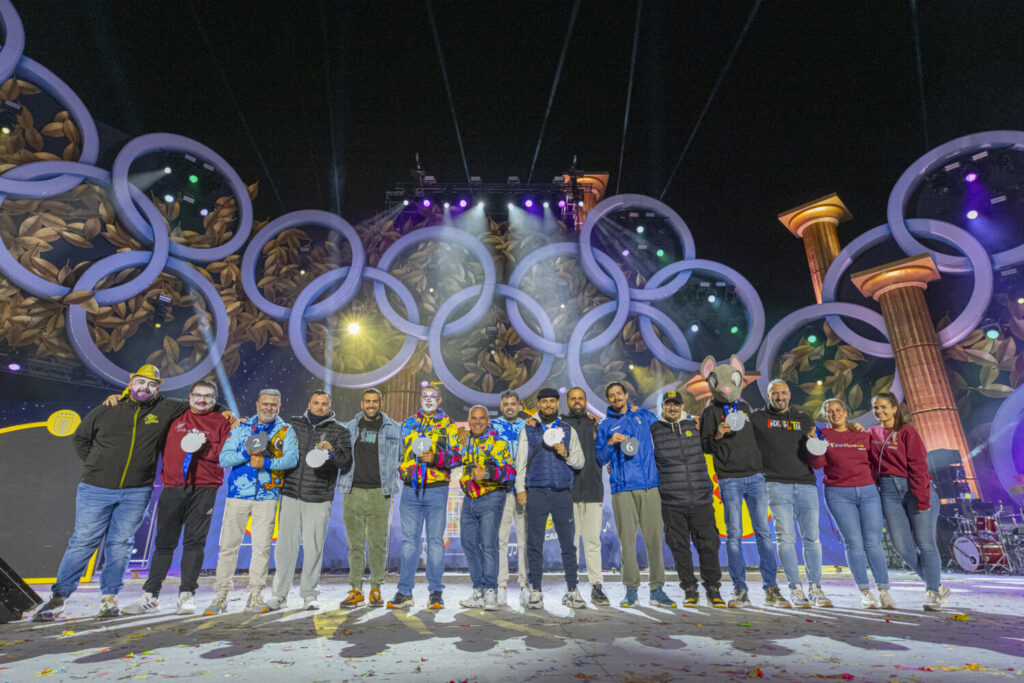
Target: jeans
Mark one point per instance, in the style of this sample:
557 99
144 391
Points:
912 532
796 503
427 507
190 507
481 518
751 489
857 511
114 513
540 502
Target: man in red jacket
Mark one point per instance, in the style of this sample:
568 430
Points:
191 476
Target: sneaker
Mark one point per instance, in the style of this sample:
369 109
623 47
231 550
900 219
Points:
375 599
818 597
435 601
573 600
475 600
885 599
932 601
631 597
400 601
490 599
773 598
186 603
218 606
353 599
109 608
311 605
524 596
715 598
660 599
740 598
274 602
798 598
692 597
50 610
536 599
944 593
867 600
502 596
597 595
256 604
147 603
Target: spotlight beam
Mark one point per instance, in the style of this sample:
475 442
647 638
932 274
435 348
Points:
554 88
629 92
714 91
447 86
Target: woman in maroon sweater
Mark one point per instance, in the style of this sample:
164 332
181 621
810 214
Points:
909 502
854 503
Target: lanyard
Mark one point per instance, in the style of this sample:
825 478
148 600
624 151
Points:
733 407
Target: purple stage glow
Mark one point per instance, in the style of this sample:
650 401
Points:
426 202
972 214
204 212
561 203
625 252
463 203
529 203
424 384
971 177
13 367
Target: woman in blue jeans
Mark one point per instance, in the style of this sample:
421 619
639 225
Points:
909 502
854 503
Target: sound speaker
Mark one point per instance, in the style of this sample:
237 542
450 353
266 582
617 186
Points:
15 595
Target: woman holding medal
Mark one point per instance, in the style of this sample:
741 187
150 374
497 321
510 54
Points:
909 502
853 500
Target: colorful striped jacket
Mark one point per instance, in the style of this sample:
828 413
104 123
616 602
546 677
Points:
447 451
490 451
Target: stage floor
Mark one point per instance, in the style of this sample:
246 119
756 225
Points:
979 635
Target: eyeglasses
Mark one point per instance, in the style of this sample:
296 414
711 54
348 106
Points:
203 396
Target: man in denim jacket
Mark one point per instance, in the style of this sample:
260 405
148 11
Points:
368 489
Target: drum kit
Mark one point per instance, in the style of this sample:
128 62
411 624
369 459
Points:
986 539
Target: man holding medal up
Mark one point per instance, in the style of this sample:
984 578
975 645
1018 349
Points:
431 451
547 456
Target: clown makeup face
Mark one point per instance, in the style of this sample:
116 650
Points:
143 389
202 399
430 400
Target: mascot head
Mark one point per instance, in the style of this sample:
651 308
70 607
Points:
725 380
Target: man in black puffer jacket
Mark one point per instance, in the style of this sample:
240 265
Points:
306 497
686 500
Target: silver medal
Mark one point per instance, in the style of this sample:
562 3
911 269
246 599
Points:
193 441
631 446
816 446
257 443
553 436
736 420
316 457
421 445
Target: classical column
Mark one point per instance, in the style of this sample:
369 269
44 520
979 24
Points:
815 223
592 187
899 288
401 395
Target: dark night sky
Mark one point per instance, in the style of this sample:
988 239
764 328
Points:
821 97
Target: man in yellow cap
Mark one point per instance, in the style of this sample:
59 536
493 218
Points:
119 443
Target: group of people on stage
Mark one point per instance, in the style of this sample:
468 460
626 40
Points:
517 468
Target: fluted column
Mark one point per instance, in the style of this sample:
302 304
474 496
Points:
815 223
899 288
401 395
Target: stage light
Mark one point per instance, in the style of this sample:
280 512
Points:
447 205
305 249
735 329
169 198
972 214
481 204
204 212
424 384
161 311
405 202
426 203
579 203
562 306
971 177
5 130
353 328
562 390
547 205
463 203
1020 300
528 203
510 205
660 253
812 339
712 298
639 229
193 178
630 366
992 333
694 327
819 382
561 202
13 367
625 252
167 169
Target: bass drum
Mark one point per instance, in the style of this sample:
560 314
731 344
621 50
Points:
973 553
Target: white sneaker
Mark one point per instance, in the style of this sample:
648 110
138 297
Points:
798 598
309 604
932 601
867 600
475 600
573 600
944 593
502 596
885 599
536 599
818 597
274 602
524 595
186 603
256 603
490 600
147 603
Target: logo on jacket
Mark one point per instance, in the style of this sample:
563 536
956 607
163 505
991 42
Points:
151 419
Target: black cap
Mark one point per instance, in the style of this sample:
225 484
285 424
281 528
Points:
547 392
673 396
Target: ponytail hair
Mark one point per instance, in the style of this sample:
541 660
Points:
895 403
842 404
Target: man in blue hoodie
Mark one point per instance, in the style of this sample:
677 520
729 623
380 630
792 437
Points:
254 489
624 442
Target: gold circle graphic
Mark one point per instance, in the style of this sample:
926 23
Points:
63 423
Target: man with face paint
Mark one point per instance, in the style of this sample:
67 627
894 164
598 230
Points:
508 425
190 481
254 489
119 443
424 503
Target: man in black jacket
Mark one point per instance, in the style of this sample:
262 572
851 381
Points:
687 506
119 443
325 449
587 492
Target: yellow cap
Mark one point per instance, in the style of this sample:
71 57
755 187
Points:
148 371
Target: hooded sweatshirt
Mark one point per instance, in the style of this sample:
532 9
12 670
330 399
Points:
736 454
781 437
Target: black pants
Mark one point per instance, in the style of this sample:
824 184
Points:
697 523
190 507
540 502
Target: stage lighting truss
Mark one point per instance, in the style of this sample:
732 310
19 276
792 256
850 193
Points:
496 197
